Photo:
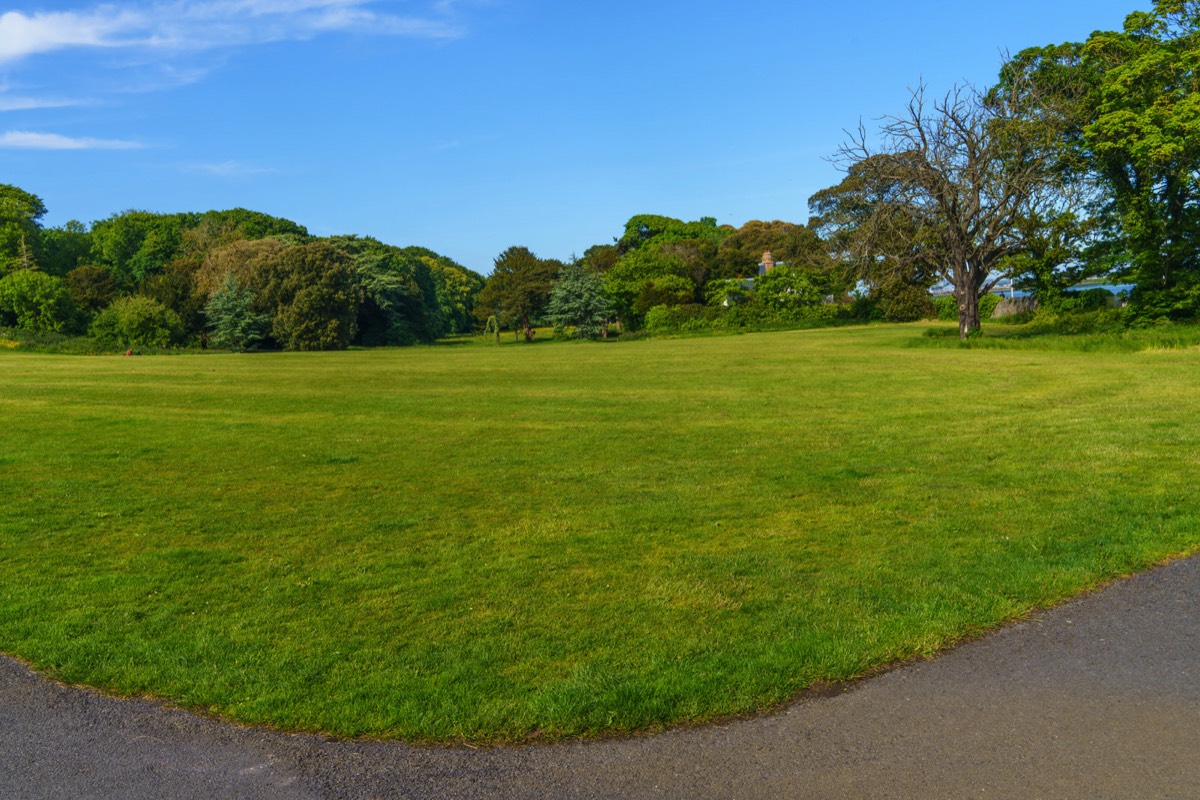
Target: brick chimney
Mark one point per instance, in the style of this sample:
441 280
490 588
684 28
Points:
768 262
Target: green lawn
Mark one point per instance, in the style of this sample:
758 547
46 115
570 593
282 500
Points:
482 543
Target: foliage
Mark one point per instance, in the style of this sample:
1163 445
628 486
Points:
36 301
174 286
134 245
1129 105
785 289
690 318
64 249
245 260
454 290
1054 257
92 288
944 195
755 316
311 293
400 303
727 291
796 246
137 321
48 342
234 323
897 300
578 301
20 228
946 308
518 290
660 260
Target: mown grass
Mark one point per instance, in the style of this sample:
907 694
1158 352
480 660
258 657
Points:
488 544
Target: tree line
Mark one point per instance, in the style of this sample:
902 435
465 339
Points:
237 279
1083 160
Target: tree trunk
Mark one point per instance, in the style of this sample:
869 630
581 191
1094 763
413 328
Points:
527 329
968 312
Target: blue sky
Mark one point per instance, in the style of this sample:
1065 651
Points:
468 126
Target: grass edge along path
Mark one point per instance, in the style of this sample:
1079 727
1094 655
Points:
491 545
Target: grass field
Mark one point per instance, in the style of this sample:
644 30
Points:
491 544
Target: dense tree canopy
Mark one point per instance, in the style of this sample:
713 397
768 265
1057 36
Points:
372 293
1127 106
1083 161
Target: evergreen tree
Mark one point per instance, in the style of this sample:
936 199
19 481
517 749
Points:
578 300
232 319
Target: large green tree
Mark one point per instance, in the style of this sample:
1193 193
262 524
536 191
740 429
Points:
518 290
134 245
20 228
1127 104
312 295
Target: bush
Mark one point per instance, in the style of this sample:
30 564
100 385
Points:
1094 299
946 308
36 302
987 305
753 315
691 318
902 302
47 342
137 322
1106 320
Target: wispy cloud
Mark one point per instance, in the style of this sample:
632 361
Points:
22 35
31 103
32 140
231 169
196 25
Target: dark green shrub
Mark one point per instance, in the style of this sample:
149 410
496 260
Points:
1094 299
946 308
904 302
690 318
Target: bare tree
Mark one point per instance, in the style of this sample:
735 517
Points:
942 191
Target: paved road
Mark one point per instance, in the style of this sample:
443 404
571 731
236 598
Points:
1097 699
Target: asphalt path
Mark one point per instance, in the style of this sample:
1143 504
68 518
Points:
1099 698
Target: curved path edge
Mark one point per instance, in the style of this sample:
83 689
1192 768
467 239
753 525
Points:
1098 698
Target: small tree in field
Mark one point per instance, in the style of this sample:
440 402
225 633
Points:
518 290
234 323
578 300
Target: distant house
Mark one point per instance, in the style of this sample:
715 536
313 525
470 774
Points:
768 263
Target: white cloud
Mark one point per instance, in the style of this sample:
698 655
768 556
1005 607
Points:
31 103
22 35
208 24
31 140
